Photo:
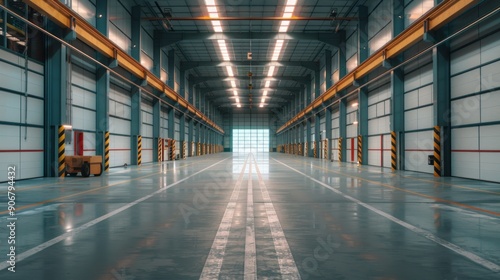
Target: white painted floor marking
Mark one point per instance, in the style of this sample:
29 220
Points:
83 227
424 233
288 267
215 258
250 271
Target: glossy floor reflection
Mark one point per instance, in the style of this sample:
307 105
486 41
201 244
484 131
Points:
309 219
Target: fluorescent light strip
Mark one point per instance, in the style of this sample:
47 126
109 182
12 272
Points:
268 83
270 73
238 105
261 105
235 93
265 93
230 71
237 100
263 100
233 84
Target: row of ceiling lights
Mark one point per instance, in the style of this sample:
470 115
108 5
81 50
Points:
216 24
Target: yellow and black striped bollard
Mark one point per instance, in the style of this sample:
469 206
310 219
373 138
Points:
172 149
106 151
139 150
160 150
199 149
437 151
393 151
61 152
325 149
184 150
360 149
315 152
340 149
306 149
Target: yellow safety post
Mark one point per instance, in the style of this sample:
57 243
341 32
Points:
61 152
106 151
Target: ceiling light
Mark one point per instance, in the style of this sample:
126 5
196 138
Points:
213 9
287 15
238 105
268 83
218 29
265 93
289 9
213 15
355 122
210 2
237 100
261 105
263 100
235 93
270 73
288 3
355 104
233 84
230 71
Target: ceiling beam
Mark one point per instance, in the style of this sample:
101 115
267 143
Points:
242 89
298 79
187 65
169 38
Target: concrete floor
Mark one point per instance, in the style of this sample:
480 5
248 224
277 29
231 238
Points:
265 216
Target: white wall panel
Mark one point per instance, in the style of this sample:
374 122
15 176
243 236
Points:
119 126
83 98
418 145
490 107
490 76
10 107
418 78
465 111
465 58
465 83
490 48
421 118
119 150
147 150
89 147
83 119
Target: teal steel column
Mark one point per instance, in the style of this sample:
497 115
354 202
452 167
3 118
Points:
56 88
342 59
398 14
182 128
309 137
317 134
317 84
156 127
190 136
328 68
398 114
135 123
4 27
328 131
309 90
171 69
157 57
363 122
136 33
442 96
171 123
362 34
342 126
102 83
182 91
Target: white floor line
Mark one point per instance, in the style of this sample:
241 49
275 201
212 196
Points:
215 258
288 267
424 233
250 271
83 227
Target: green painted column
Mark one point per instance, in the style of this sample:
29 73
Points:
135 124
156 127
317 84
363 122
309 137
398 115
363 50
171 69
328 131
102 83
328 69
136 33
342 126
56 88
442 103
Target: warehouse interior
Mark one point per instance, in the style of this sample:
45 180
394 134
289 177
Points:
249 139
